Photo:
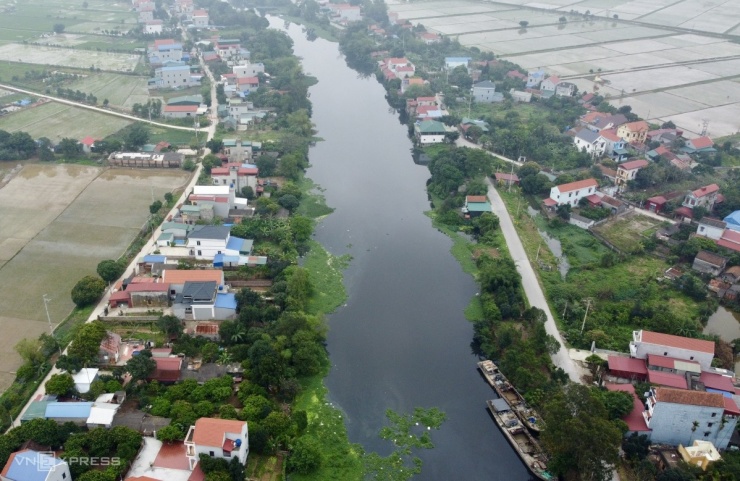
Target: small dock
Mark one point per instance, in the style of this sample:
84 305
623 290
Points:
529 417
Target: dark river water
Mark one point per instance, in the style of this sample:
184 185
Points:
402 340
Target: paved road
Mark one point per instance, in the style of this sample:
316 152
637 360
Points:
461 142
148 247
96 109
532 288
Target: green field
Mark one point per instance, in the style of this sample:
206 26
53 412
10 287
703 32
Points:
628 232
56 121
121 90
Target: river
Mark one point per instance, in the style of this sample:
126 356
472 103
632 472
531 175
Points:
401 341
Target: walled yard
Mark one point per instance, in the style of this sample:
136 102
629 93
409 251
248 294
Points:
48 242
627 231
653 57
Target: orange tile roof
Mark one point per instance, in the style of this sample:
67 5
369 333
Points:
580 184
634 164
175 276
701 142
706 190
638 126
476 198
678 342
211 431
693 398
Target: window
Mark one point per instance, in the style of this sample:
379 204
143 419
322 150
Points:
691 358
200 253
665 353
706 434
714 415
709 425
210 453
197 242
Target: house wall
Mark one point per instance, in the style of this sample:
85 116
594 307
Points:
152 28
431 138
175 77
150 299
222 313
200 22
706 267
572 197
206 248
217 451
171 54
178 115
483 95
709 231
640 350
581 224
248 70
673 424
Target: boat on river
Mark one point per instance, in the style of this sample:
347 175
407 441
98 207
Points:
525 445
529 417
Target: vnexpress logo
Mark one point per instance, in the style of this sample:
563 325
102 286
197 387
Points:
45 461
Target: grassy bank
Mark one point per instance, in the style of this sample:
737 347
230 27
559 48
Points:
325 272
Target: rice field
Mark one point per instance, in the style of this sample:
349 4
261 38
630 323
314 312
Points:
56 121
65 57
48 242
121 90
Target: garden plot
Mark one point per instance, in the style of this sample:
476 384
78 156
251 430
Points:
56 121
86 214
42 55
120 90
627 231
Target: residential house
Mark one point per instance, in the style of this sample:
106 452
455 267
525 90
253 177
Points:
730 240
565 89
731 275
248 69
68 412
590 142
200 18
678 416
205 241
88 143
221 197
202 301
614 145
218 438
701 454
709 263
451 63
167 369
408 82
179 111
616 206
733 221
176 278
648 342
485 93
165 50
535 78
467 123
607 173
190 100
520 96
503 178
429 38
430 132
703 197
700 145
664 136
396 67
599 121
711 228
634 419
236 174
571 193
634 132
146 14
29 465
104 409
227 48
173 234
475 205
580 221
515 74
628 171
84 378
661 151
547 86
144 294
627 367
247 84
173 76
656 204
153 27
146 159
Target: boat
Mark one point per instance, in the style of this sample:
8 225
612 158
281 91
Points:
525 445
505 390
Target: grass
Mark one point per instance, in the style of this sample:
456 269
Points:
262 467
56 121
121 90
65 331
313 203
627 232
325 272
341 460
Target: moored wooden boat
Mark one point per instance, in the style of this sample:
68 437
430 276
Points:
505 390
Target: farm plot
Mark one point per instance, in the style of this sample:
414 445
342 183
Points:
120 90
56 121
626 232
39 54
86 214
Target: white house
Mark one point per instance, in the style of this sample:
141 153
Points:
485 93
571 193
153 27
202 301
711 228
648 342
200 18
165 51
678 416
218 438
704 197
236 174
430 132
549 84
205 241
173 76
535 78
591 142
84 378
565 89
628 171
451 63
29 465
248 69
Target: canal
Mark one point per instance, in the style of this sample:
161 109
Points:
401 341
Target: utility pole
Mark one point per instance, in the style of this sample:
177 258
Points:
537 258
48 319
565 310
588 304
511 177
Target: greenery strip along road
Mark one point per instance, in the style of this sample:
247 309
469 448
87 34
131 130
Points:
530 282
96 109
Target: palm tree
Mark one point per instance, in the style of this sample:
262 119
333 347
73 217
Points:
224 358
239 335
694 425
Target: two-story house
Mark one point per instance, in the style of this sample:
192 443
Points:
535 78
703 197
173 76
430 132
614 145
205 241
200 18
236 174
177 278
711 228
659 344
548 85
628 171
485 93
571 193
590 142
29 465
678 416
634 132
248 69
218 438
202 301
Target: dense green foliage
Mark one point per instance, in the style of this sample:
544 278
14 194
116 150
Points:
18 145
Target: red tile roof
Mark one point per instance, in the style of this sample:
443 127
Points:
634 164
554 79
209 328
476 198
247 81
507 177
89 141
180 108
148 287
701 142
220 171
610 134
662 150
594 199
669 379
580 184
635 421
550 202
717 381
637 126
670 340
627 365
174 276
669 362
730 240
658 199
693 398
731 406
211 431
706 190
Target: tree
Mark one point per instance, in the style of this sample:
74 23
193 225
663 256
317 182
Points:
248 192
60 384
58 28
155 207
170 433
216 145
141 366
86 343
301 228
30 351
582 442
305 457
137 136
110 270
87 291
170 325
289 201
169 198
69 148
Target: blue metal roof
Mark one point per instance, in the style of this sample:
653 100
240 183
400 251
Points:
174 68
226 301
221 259
32 466
733 220
152 258
456 59
235 244
169 46
69 410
